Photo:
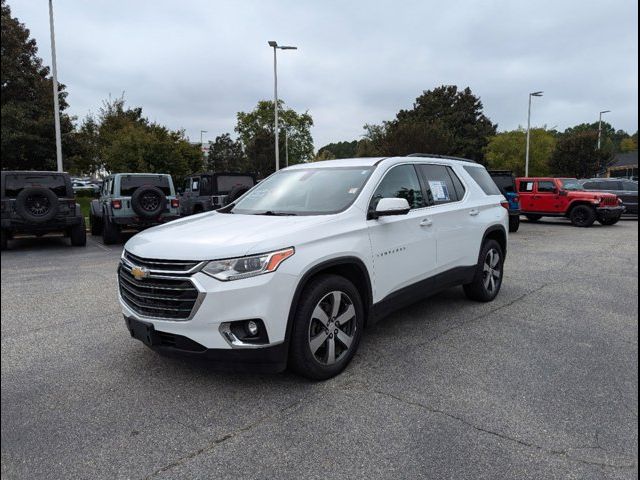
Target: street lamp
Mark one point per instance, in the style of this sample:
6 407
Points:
56 102
600 126
275 47
526 162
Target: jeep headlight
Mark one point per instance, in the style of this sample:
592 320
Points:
243 267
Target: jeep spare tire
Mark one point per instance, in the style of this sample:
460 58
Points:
148 201
37 204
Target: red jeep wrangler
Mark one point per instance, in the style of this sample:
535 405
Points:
565 197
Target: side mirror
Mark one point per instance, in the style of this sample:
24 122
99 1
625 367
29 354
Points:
391 206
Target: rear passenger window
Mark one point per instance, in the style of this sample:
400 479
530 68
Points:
546 187
484 180
400 182
442 184
526 186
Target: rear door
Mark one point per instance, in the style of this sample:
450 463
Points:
403 246
526 192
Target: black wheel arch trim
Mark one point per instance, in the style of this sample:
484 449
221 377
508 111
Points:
489 231
319 268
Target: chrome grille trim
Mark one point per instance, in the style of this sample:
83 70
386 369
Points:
166 267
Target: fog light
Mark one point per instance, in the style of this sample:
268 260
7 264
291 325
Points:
252 328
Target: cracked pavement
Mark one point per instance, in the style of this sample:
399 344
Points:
541 383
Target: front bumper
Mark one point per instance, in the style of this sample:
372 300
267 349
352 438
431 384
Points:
610 212
269 359
266 297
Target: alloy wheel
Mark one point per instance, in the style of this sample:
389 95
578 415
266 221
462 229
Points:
332 328
491 271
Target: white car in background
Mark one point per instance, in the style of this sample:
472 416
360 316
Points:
293 271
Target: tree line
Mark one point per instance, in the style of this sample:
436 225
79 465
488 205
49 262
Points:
445 120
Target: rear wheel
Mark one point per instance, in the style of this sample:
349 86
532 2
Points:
110 232
582 216
78 235
96 225
5 240
514 223
533 218
327 327
488 277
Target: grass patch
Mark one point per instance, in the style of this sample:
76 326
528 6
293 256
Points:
85 207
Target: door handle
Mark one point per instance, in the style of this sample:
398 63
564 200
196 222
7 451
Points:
426 222
474 212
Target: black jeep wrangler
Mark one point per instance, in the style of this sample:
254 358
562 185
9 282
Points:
36 203
210 191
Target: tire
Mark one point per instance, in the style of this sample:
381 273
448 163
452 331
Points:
4 241
235 193
514 223
148 202
487 280
533 218
78 234
110 232
609 221
96 225
37 204
582 216
314 320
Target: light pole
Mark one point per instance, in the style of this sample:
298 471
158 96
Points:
600 126
56 102
275 47
202 144
526 162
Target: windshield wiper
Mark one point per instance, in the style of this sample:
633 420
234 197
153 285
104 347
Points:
276 214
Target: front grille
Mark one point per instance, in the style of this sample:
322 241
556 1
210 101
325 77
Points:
610 201
177 266
157 297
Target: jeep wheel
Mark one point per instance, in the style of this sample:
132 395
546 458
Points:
5 240
96 225
533 218
514 223
78 235
37 204
582 216
609 221
110 232
327 327
489 271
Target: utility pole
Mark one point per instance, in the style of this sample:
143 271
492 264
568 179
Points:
56 101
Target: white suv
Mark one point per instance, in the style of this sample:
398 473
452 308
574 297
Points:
294 270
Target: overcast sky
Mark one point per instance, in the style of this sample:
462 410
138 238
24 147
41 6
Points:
194 64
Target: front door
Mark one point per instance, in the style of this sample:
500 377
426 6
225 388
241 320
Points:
547 197
403 246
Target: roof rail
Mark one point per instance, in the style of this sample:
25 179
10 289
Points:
447 157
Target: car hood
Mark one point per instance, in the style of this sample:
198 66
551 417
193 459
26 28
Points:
589 194
212 235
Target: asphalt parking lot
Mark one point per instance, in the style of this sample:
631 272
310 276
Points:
541 383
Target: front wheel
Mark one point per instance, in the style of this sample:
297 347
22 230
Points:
609 221
96 225
5 240
327 327
514 223
582 216
78 234
489 271
110 231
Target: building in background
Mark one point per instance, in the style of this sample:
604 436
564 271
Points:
624 165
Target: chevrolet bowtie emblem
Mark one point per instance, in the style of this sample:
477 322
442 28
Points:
139 272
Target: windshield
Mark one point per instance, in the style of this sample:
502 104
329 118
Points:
309 191
571 184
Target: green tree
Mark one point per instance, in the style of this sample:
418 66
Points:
340 149
629 144
506 151
225 154
576 156
444 120
26 101
256 133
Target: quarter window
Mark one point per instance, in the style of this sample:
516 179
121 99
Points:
526 186
400 182
484 180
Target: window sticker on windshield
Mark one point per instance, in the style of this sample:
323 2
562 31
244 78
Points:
353 191
439 190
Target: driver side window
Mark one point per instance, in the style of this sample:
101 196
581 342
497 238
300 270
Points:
546 187
400 182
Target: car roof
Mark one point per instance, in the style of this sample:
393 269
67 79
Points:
141 174
373 161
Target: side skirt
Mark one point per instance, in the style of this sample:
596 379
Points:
420 290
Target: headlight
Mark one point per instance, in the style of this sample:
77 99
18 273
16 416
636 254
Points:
243 267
